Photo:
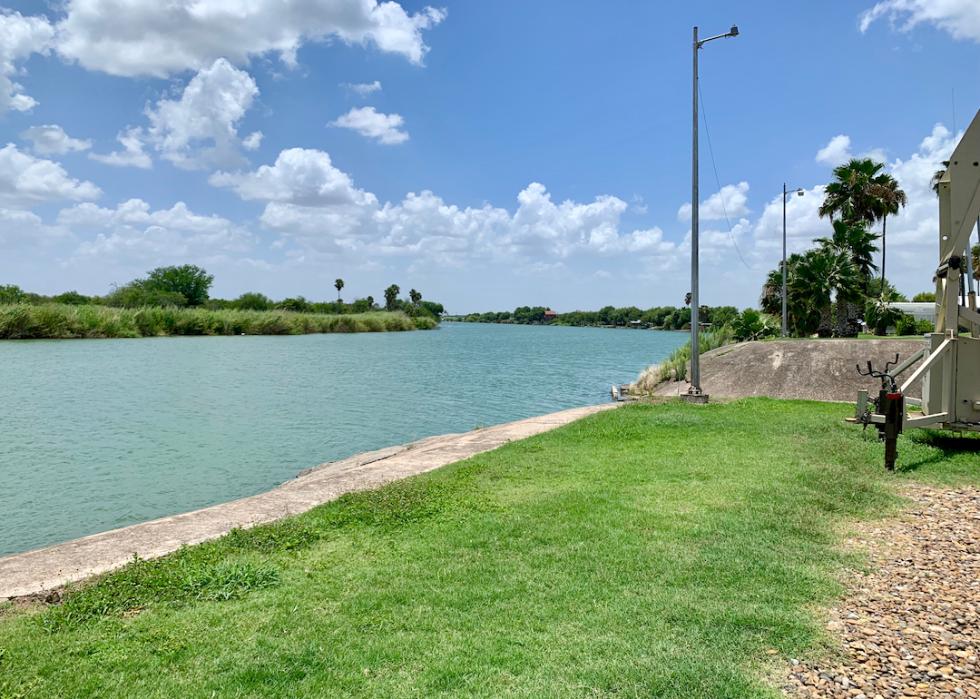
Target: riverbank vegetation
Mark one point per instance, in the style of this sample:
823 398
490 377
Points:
61 321
188 286
176 301
605 558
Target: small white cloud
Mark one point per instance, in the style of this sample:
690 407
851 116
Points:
26 181
20 37
837 151
959 18
132 154
252 141
384 128
363 89
729 202
51 139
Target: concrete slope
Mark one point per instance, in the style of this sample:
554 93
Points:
808 369
45 569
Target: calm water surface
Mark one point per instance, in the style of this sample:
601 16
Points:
98 434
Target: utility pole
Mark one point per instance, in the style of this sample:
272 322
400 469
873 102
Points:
694 392
799 192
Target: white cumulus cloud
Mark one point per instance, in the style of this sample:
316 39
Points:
959 18
384 128
299 176
132 153
730 201
199 129
140 37
837 151
51 139
133 233
20 36
26 180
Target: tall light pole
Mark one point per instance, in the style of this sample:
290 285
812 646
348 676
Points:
799 193
694 392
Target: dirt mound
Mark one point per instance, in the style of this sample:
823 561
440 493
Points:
809 369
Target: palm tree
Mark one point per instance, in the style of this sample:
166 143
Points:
850 195
889 197
858 243
822 275
415 296
771 299
338 285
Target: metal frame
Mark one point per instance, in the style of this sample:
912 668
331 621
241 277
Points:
950 373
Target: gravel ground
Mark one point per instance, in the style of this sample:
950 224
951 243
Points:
911 626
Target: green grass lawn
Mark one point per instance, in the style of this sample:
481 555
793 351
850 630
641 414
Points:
656 550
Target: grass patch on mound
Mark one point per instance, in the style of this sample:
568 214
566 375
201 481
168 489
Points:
656 550
57 321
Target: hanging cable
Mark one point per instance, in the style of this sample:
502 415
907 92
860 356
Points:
711 152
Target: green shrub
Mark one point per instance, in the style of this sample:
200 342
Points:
27 321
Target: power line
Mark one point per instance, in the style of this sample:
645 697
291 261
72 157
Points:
711 152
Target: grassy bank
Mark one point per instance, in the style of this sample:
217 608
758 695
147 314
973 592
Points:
675 367
615 556
55 321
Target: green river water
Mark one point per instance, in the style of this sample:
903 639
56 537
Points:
99 434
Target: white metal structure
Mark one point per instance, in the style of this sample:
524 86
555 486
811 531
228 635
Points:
950 370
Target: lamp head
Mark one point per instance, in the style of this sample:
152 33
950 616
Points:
733 31
799 192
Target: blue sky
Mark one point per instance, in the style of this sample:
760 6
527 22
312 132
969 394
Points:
489 154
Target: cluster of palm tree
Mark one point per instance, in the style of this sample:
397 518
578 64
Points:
840 271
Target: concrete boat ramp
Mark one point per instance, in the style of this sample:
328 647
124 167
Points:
40 571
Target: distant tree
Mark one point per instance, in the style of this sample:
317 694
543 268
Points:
72 298
253 301
191 281
338 285
925 297
391 297
11 293
415 296
297 304
138 294
437 309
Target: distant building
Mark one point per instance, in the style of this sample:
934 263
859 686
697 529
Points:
919 311
549 315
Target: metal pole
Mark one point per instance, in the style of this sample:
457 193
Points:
695 324
785 316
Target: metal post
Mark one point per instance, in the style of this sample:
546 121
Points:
785 316
695 321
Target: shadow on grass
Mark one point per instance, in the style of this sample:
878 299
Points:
943 446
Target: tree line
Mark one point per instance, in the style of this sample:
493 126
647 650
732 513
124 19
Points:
188 286
659 317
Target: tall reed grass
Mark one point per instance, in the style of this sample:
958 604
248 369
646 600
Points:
56 321
674 368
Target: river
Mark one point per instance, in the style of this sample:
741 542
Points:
99 434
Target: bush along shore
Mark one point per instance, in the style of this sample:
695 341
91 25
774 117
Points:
62 321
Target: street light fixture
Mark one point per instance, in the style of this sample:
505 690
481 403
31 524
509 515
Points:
799 193
694 392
